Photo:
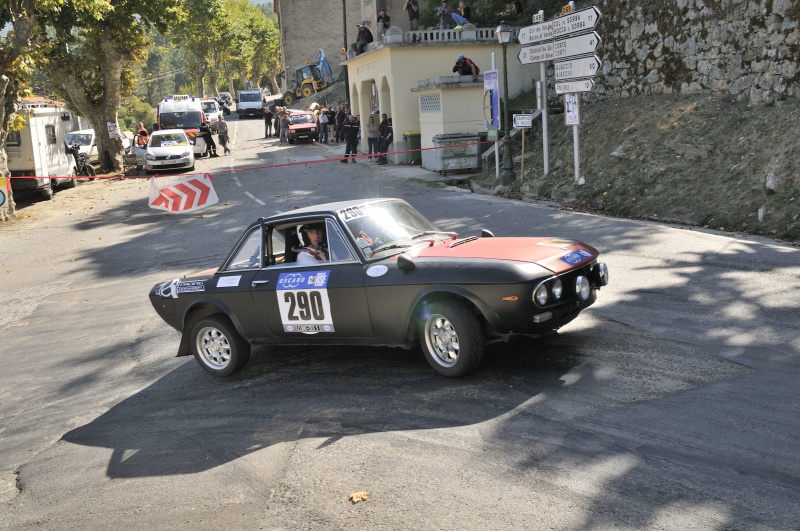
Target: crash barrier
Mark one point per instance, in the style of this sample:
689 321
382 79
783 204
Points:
271 166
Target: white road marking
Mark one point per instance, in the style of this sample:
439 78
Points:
254 198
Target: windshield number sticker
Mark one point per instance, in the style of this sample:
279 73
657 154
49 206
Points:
351 213
303 302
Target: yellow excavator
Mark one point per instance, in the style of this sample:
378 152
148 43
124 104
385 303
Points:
309 78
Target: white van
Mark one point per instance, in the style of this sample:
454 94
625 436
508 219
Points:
213 113
248 103
38 150
183 111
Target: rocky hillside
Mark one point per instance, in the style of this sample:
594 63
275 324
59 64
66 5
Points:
699 160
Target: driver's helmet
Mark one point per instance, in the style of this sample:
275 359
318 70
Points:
313 226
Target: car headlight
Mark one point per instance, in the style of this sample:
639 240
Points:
582 287
150 156
540 294
186 154
557 289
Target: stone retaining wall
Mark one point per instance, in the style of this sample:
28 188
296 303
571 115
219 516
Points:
749 49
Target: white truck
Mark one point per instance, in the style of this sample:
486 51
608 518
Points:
248 103
37 157
183 111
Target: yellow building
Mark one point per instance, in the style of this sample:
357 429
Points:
408 76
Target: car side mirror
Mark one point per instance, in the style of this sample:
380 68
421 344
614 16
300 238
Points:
405 263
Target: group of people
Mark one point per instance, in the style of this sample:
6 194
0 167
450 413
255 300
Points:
276 123
450 19
379 138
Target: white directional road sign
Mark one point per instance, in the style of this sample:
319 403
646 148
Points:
576 68
523 120
569 87
583 20
575 46
563 49
579 21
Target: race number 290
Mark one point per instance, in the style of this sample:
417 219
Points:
303 302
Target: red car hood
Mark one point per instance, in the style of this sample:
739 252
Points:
555 254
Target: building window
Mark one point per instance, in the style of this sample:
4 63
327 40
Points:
430 103
50 131
13 139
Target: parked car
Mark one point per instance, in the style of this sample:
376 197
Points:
213 113
226 97
302 126
167 149
392 278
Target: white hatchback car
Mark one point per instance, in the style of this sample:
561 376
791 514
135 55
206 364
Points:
168 149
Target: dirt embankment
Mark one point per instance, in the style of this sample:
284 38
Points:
700 160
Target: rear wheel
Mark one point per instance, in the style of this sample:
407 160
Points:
217 347
451 338
289 98
88 169
72 182
47 191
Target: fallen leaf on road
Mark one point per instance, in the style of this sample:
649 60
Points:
359 496
9 270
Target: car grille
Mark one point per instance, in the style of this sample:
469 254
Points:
169 157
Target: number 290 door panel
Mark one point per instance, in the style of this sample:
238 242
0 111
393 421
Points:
328 299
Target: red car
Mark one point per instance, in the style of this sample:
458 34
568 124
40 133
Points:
302 126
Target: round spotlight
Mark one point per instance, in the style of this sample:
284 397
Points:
540 295
558 289
582 288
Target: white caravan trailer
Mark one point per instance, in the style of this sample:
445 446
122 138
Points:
38 150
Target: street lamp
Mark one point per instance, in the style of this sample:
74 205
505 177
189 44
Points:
507 176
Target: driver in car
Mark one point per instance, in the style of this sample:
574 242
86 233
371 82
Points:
315 250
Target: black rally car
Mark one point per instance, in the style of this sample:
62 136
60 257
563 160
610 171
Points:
393 279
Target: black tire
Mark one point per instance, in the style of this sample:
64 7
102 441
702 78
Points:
72 182
451 338
47 192
307 91
191 168
88 170
291 140
217 347
289 98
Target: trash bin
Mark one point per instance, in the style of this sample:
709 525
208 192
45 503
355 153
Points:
413 141
458 151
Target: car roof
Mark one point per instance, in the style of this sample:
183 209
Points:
168 131
323 209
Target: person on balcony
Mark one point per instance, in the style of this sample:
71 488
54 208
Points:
412 7
363 39
445 13
465 67
384 23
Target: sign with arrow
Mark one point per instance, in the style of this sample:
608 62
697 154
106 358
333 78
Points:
576 68
563 49
579 21
570 87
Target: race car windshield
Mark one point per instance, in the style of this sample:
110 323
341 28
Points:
387 227
180 120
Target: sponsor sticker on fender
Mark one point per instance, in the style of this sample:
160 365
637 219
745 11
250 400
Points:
175 287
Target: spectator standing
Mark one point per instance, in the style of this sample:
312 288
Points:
205 134
351 130
445 13
384 23
222 134
331 125
285 128
141 137
341 116
386 139
373 133
363 38
268 119
323 126
412 8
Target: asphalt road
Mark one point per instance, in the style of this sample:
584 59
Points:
670 404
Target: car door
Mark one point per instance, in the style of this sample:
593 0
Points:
328 298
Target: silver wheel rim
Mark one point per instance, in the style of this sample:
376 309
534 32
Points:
214 347
442 340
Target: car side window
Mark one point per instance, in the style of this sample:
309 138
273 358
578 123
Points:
277 247
249 254
339 250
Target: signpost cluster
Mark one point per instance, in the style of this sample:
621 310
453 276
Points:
570 42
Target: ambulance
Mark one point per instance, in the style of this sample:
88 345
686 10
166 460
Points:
183 111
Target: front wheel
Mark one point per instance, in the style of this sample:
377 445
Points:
217 347
451 338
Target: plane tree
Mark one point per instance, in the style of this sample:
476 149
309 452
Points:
90 58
